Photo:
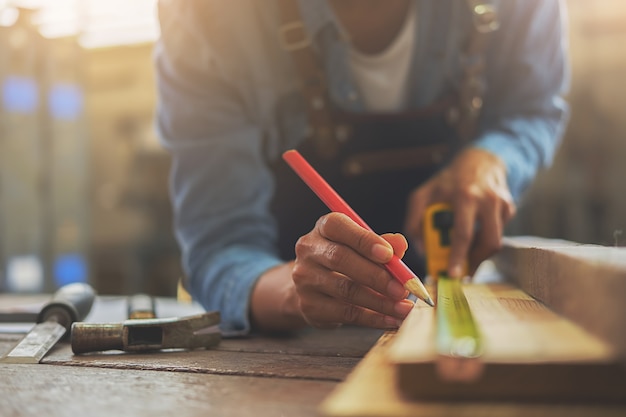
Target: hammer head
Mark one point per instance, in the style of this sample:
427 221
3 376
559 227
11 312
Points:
140 335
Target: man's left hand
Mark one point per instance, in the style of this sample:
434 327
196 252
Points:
474 183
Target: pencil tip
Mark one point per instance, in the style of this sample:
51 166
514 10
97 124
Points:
416 288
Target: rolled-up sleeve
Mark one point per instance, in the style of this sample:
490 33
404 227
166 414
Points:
527 75
219 182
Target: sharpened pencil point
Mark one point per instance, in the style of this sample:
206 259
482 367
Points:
416 288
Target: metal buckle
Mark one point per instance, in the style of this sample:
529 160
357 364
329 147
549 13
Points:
290 46
485 18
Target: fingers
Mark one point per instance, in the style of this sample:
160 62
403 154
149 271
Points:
339 228
462 234
478 229
318 255
508 209
489 237
488 240
345 301
398 242
339 276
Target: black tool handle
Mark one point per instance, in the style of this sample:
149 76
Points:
70 303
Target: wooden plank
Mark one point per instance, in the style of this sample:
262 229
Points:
312 354
585 283
213 361
370 391
530 353
346 341
260 376
56 391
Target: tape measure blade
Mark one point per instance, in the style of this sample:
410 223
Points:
457 332
34 346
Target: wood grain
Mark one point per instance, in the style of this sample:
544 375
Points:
214 362
312 354
531 353
371 391
585 283
61 391
252 376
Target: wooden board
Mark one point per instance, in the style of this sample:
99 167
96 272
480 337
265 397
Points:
585 283
214 362
252 376
60 391
530 353
371 391
311 354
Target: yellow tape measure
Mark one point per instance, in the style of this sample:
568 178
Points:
457 333
438 222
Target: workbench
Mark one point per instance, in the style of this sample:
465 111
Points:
282 376
252 376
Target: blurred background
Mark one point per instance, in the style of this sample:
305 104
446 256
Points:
83 179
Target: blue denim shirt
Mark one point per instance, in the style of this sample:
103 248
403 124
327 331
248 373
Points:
229 103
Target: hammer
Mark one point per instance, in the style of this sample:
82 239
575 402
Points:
147 334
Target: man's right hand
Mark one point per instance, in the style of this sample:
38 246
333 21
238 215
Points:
337 278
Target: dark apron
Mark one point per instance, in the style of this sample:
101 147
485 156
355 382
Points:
378 196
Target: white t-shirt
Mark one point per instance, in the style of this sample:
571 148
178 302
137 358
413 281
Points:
382 78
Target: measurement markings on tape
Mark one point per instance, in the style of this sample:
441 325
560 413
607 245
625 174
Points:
457 332
459 341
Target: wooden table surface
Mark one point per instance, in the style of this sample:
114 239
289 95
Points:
252 376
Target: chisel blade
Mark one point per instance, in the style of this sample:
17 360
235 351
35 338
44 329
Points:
34 346
70 303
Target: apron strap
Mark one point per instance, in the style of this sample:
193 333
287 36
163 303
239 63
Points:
295 39
485 21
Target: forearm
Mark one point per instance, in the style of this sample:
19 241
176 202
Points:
274 306
225 281
527 76
524 144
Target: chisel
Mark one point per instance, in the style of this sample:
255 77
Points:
70 303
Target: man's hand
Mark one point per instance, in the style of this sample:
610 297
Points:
337 278
340 278
475 185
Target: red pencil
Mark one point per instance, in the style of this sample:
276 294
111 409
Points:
334 202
